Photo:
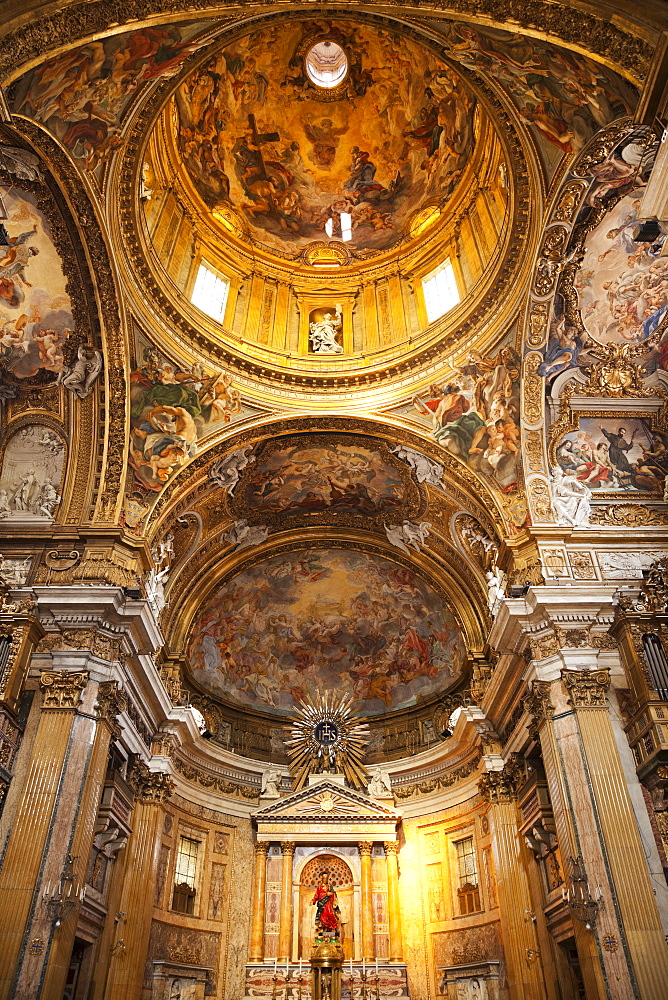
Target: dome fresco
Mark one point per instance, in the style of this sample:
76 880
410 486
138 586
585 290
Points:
325 619
259 136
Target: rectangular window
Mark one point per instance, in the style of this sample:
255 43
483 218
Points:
467 873
185 876
440 291
210 293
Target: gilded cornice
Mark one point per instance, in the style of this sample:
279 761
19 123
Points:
627 47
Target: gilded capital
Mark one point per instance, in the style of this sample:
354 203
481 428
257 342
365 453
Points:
110 702
365 847
150 786
288 847
391 847
539 705
586 688
62 688
261 848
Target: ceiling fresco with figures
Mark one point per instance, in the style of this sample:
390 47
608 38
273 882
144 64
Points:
256 134
325 619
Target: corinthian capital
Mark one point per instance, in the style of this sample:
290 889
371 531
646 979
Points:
586 688
62 688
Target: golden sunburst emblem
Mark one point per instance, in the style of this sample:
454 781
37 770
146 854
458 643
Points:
327 736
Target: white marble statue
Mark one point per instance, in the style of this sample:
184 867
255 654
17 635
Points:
226 471
271 779
380 786
5 509
403 535
570 499
476 539
80 377
242 535
21 163
48 499
14 572
322 333
494 590
425 469
158 575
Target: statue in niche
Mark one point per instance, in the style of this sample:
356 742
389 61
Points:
327 912
323 332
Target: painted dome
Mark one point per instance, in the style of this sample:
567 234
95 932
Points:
262 135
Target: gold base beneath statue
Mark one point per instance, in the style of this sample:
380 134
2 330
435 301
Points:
326 965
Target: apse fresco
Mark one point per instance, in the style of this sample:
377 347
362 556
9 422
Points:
332 477
35 309
81 96
474 415
620 453
622 285
566 96
325 620
172 407
257 135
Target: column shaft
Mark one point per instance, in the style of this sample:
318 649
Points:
37 845
126 972
368 949
259 893
393 906
520 941
285 926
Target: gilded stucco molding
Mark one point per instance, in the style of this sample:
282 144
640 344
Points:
109 704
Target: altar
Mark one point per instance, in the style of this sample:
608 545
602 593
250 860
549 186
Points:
332 832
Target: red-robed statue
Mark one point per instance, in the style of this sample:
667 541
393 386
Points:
327 913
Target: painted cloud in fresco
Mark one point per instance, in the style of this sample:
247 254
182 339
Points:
566 96
35 309
81 96
317 620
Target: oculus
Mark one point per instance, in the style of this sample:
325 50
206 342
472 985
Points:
326 64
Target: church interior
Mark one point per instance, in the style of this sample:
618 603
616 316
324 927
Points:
333 500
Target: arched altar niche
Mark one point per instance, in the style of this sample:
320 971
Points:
342 879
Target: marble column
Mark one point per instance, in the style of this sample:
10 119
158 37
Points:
126 971
393 907
368 950
285 925
259 892
53 818
520 940
624 952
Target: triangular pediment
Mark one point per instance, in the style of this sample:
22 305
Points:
326 802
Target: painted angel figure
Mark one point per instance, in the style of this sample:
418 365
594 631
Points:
323 333
327 912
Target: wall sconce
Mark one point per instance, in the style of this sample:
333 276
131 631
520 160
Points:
67 892
580 901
